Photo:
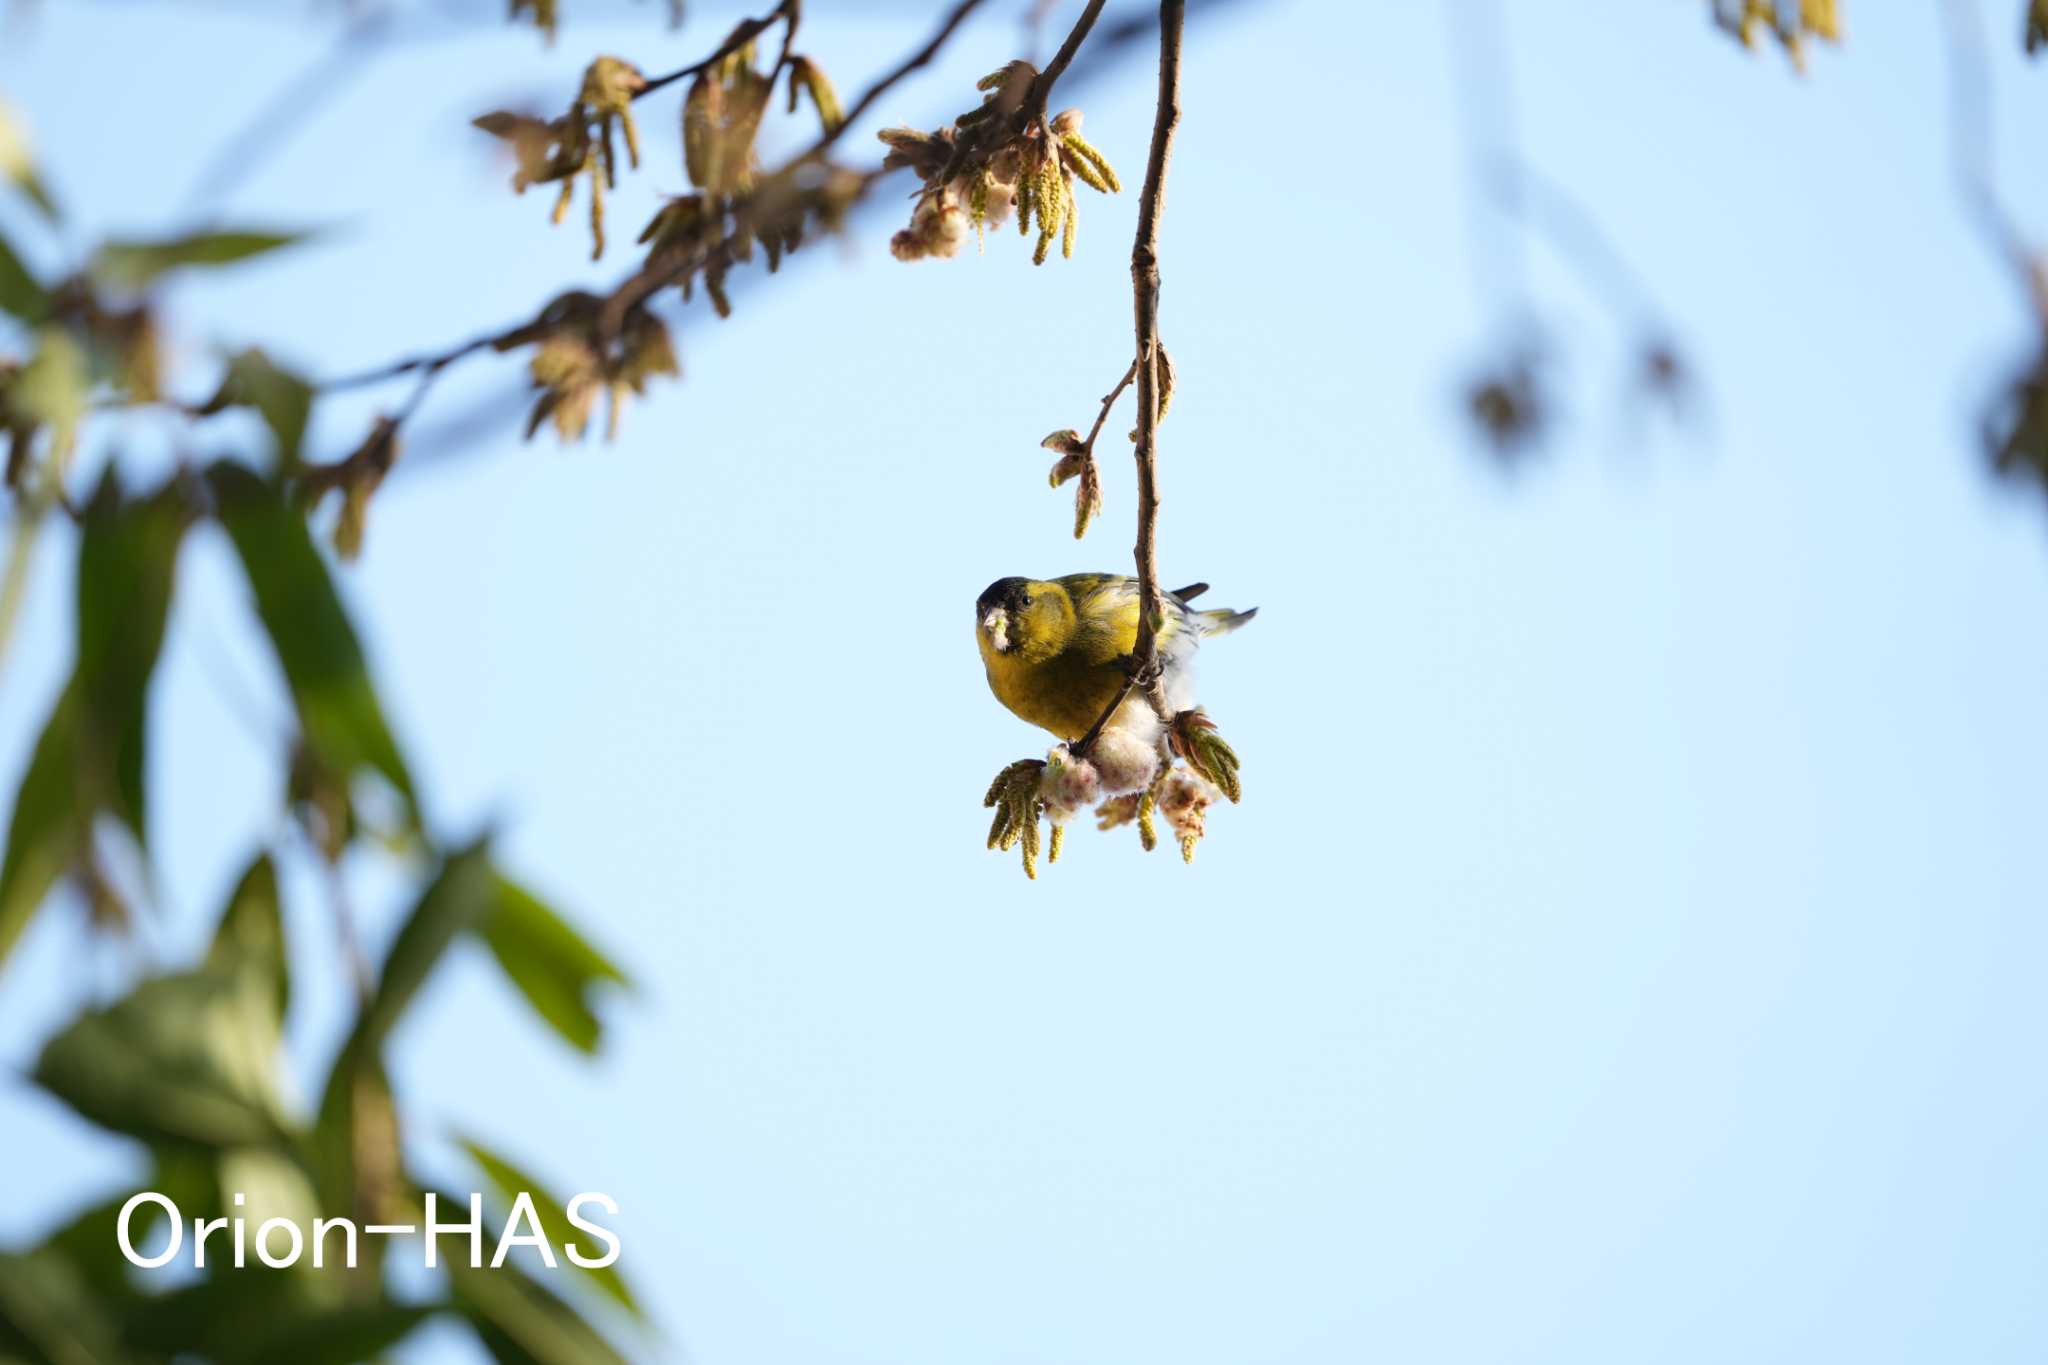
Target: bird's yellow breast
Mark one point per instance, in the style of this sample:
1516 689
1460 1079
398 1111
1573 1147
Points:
1064 694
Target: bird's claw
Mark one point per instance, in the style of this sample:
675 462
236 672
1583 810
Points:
1142 672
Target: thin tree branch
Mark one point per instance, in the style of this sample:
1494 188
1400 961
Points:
355 961
1482 72
1035 15
1545 207
1970 143
644 282
1080 747
1108 402
652 278
741 36
1144 670
290 108
1041 88
917 60
432 364
1145 306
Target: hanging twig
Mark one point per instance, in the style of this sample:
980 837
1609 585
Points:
1108 402
1041 88
648 279
1143 667
1145 301
746 33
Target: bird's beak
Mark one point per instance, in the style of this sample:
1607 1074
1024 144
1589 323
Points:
997 625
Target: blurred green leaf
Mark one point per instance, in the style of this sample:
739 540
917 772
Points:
38 193
355 1146
274 1182
127 561
20 292
317 647
47 1313
251 930
91 752
456 900
136 265
181 1059
510 1182
257 1316
355 1140
89 1242
17 162
49 825
52 388
522 1323
282 399
551 964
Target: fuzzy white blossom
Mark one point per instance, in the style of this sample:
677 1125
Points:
1125 761
1069 785
1183 799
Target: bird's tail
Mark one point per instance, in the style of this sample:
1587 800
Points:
1223 621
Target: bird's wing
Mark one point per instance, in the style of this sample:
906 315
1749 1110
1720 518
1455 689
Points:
1106 606
1223 621
1106 610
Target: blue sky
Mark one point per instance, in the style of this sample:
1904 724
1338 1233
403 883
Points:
1628 946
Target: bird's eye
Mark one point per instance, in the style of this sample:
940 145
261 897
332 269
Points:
1027 599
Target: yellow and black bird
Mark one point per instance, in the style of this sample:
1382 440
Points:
1056 649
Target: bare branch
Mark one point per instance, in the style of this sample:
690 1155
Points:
1108 402
1970 142
741 36
293 105
1144 670
1145 302
1545 207
881 87
1041 89
650 278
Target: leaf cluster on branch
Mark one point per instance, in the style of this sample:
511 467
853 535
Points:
1002 155
186 1062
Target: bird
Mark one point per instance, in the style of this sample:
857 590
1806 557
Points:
1058 650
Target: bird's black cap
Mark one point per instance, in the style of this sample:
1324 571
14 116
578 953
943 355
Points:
1007 593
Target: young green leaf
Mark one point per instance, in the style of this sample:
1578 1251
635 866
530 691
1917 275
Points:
21 294
18 165
454 901
127 562
136 265
509 1182
520 1321
49 825
323 663
52 388
550 963
353 1150
183 1059
355 1140
89 1241
281 398
251 931
256 1316
48 1312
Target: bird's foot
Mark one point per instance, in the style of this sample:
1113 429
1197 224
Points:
1142 672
